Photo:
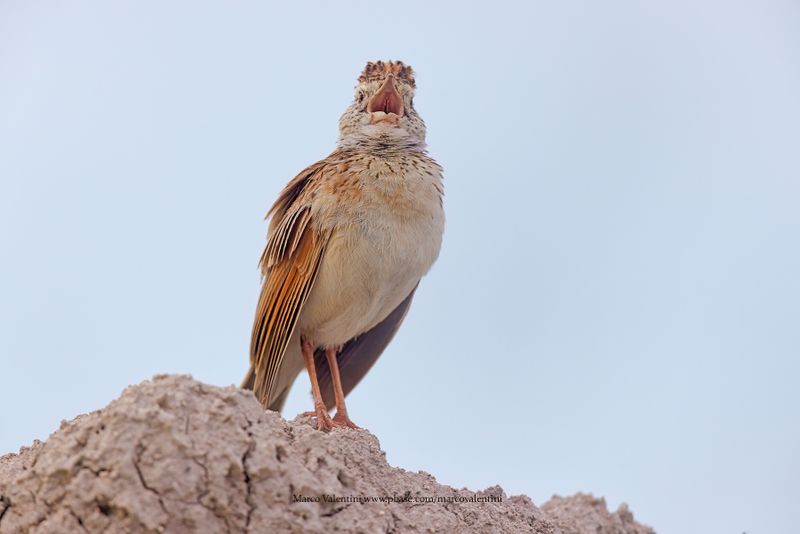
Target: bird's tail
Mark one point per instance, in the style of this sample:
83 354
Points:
249 379
249 382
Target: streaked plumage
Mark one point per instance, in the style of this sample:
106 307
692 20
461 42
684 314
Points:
348 241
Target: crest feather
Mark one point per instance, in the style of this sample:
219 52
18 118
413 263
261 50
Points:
377 71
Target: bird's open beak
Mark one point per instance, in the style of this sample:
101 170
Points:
387 99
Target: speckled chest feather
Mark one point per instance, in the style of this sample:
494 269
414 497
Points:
385 218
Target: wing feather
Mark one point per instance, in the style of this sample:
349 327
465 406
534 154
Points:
290 264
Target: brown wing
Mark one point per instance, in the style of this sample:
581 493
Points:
289 264
360 353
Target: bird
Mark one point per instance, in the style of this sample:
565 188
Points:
348 240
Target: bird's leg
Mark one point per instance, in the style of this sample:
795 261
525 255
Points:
324 421
340 419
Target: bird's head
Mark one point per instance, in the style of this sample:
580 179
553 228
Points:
382 113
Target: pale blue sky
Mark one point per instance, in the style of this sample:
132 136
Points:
617 302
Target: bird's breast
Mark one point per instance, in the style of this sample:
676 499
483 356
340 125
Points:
386 232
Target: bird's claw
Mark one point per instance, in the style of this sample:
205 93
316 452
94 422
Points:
342 421
325 422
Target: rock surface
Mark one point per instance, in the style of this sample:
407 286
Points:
175 455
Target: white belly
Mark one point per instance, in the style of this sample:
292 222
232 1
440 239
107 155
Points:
374 259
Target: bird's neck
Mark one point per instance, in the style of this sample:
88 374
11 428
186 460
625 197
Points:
381 144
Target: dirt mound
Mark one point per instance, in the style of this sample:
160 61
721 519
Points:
175 455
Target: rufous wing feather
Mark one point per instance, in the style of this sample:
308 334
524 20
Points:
290 264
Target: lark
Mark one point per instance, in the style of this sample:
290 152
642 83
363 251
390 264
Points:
349 239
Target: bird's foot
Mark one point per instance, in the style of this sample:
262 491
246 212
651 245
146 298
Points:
324 421
342 421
